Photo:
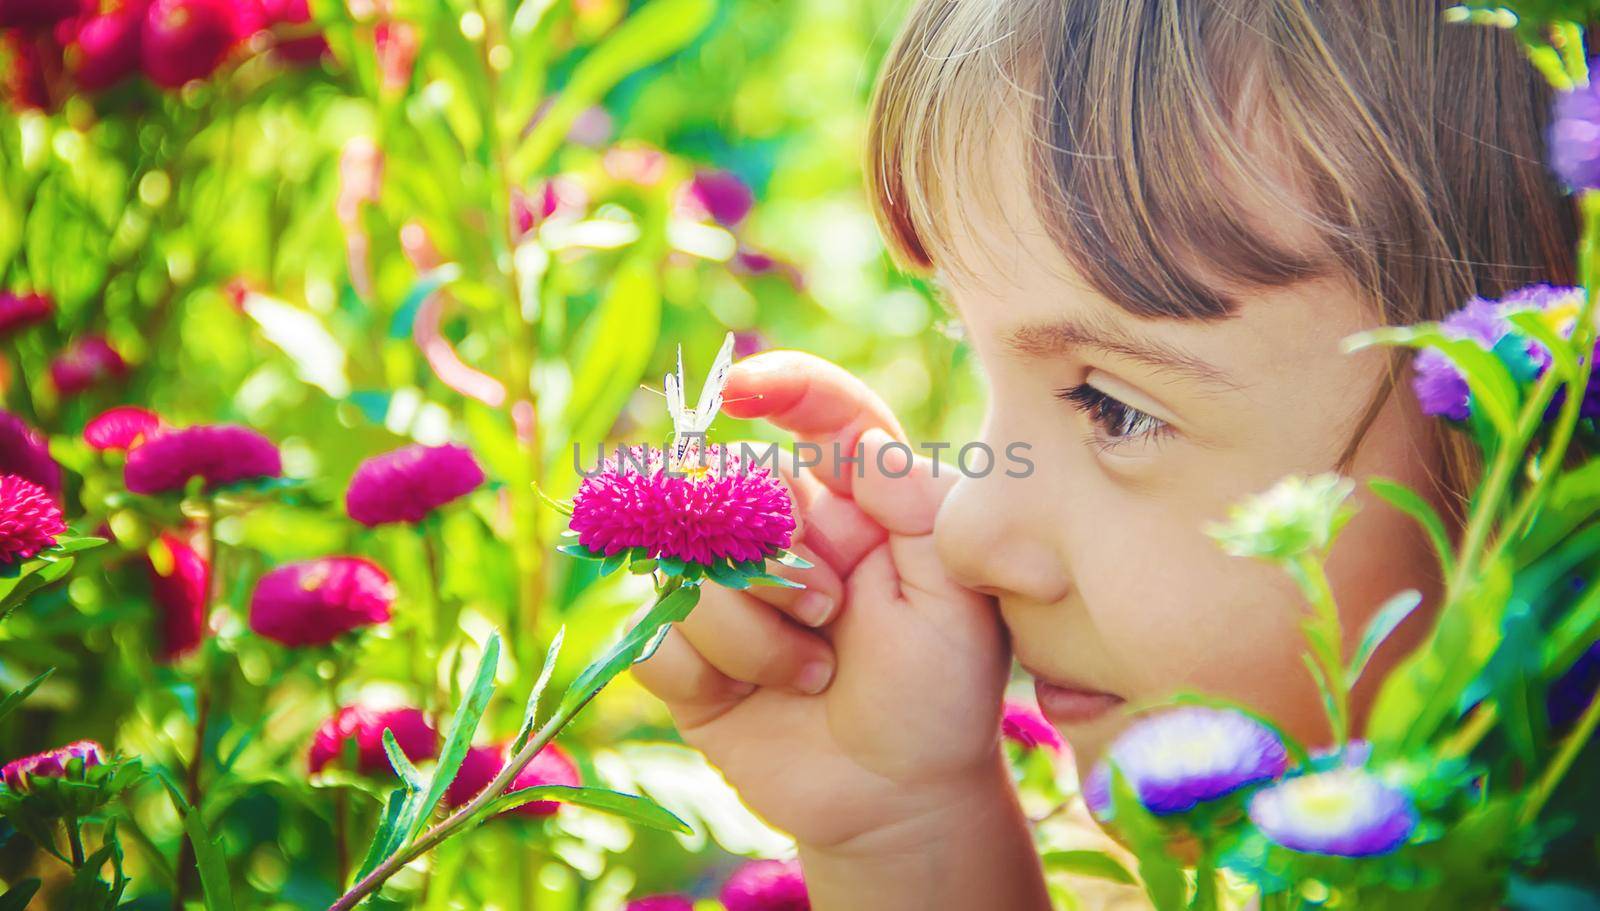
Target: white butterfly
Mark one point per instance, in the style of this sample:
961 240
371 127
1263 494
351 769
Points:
688 423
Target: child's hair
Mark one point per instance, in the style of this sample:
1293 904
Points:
1409 148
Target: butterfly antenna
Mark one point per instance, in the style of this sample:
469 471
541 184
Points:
649 388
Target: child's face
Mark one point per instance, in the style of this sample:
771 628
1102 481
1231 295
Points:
1141 432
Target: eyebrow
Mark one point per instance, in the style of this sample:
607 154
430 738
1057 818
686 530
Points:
1062 336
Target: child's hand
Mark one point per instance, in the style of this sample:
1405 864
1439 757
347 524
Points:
865 708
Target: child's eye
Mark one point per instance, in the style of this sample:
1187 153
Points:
1115 421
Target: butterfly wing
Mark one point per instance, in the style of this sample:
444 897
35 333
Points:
705 411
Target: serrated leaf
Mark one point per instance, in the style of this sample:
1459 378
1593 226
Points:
632 807
613 563
386 840
400 762
1389 616
14 700
670 609
558 505
459 737
66 545
214 882
530 714
1494 392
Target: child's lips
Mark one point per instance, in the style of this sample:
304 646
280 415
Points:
1067 704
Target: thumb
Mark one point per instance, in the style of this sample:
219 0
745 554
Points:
898 489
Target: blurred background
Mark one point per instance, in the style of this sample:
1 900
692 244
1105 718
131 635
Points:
354 226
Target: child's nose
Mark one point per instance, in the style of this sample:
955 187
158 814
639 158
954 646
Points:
998 536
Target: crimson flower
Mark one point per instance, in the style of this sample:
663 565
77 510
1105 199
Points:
50 763
87 363
122 428
550 765
408 483
364 727
317 601
219 453
767 885
24 451
184 40
19 311
180 590
30 520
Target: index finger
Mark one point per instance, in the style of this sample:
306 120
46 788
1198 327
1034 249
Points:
818 401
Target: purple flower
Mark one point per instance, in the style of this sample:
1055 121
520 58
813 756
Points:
1575 137
550 765
50 763
1187 756
19 311
219 453
718 195
1345 812
317 601
766 885
181 590
365 726
1025 725
408 483
86 364
1572 692
660 903
25 452
1440 387
30 520
122 427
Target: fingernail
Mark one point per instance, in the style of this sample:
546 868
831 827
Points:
814 608
814 677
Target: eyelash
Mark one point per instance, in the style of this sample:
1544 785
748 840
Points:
1115 421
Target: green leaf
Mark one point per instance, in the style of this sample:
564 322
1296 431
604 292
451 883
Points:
13 700
560 506
646 36
18 896
400 762
674 607
613 563
214 882
1532 324
632 807
1494 392
770 579
1389 616
727 577
386 840
1095 864
1162 876
70 545
530 714
642 567
792 560
579 551
459 738
1409 502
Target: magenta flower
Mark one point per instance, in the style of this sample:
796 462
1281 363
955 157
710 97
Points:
36 14
364 727
408 483
767 885
219 453
30 520
550 765
50 763
317 601
1187 756
718 195
1575 137
184 40
291 13
1024 725
106 50
660 903
121 428
1346 812
19 311
25 452
180 591
28 81
88 362
723 511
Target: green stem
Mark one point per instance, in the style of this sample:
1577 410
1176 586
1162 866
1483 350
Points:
75 841
1568 753
1205 876
1327 645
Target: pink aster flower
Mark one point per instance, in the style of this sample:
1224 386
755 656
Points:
1025 725
660 903
766 885
408 483
30 520
180 590
50 763
718 195
724 511
550 765
317 601
36 14
24 451
19 311
88 362
121 428
219 453
365 726
106 48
